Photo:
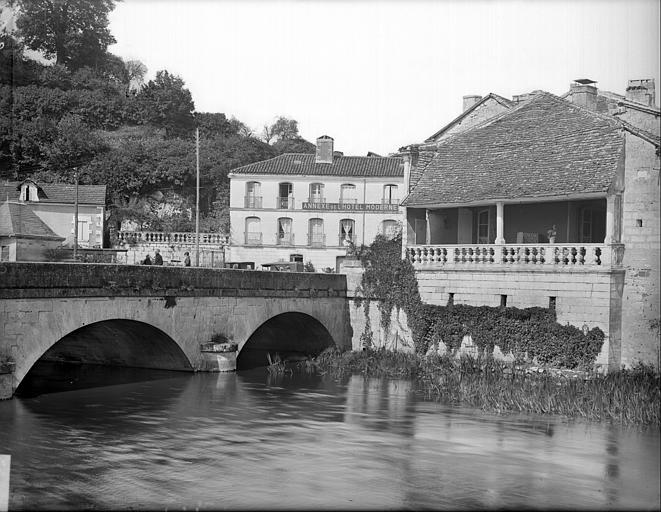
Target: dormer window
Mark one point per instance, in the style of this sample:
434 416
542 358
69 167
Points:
29 192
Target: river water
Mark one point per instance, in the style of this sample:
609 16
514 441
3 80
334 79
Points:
251 440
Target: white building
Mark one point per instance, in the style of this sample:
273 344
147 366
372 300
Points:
304 207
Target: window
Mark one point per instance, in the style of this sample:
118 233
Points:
390 194
253 231
483 225
317 193
285 196
253 195
298 258
347 232
284 236
389 228
316 237
348 193
4 253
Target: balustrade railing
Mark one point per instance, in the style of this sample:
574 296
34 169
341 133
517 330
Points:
284 203
284 238
513 255
316 240
149 237
253 238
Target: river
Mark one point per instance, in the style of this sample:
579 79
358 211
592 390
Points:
251 440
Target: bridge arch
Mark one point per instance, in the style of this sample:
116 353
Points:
115 342
287 334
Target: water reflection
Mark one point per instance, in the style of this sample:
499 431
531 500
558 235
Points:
250 440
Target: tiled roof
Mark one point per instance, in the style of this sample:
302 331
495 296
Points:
58 193
304 164
18 219
545 147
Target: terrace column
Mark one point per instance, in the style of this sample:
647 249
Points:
500 208
613 218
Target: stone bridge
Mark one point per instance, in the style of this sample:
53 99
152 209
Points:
160 317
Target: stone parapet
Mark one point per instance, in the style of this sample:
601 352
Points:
34 280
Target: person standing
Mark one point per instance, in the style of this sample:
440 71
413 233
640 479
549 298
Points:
158 259
186 259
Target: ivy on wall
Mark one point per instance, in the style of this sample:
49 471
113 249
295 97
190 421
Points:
527 333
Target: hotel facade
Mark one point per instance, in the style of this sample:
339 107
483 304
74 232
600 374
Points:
312 208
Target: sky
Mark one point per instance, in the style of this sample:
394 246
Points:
377 75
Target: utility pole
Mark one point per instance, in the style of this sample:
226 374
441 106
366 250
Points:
75 221
197 198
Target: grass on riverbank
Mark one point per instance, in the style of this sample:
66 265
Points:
628 396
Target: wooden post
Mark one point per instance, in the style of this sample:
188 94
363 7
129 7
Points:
5 465
197 198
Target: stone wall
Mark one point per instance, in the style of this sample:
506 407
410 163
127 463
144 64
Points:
173 254
483 112
641 235
27 280
581 297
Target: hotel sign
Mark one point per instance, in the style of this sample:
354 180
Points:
353 207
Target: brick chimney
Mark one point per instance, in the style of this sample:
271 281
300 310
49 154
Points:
470 100
324 154
641 91
584 93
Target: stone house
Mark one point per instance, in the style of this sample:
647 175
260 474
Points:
23 235
549 201
305 207
54 205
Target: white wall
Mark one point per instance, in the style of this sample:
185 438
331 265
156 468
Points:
366 224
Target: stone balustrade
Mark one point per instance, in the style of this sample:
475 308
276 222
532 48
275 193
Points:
155 237
572 255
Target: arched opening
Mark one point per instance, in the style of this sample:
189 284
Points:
102 354
290 335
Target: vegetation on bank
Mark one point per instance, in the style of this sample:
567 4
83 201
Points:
628 396
529 334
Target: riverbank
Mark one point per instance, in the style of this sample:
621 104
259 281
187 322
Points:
627 397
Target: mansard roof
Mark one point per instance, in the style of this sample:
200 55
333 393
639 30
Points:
18 220
57 192
546 147
304 164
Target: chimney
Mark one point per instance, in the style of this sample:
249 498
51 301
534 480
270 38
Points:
470 100
641 91
324 154
584 93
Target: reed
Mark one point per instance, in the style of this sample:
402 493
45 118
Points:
630 396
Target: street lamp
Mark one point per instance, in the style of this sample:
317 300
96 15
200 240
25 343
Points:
75 220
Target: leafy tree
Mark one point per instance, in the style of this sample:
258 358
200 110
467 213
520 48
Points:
214 125
15 68
283 129
74 146
75 32
166 103
135 71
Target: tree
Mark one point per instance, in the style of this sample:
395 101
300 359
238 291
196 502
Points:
214 125
282 129
75 32
74 146
135 71
166 103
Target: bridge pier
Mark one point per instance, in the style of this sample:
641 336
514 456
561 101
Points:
218 357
